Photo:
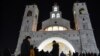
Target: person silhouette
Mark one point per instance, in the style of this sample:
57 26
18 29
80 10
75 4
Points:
70 53
55 50
62 54
32 52
25 47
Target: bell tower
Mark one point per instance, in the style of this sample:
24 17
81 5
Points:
81 16
29 24
55 12
30 19
84 27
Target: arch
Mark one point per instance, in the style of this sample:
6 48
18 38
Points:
29 13
57 39
81 10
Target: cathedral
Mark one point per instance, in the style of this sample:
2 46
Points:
80 39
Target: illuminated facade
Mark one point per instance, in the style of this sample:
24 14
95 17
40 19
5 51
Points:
80 39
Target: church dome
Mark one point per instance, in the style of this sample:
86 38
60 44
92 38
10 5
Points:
56 21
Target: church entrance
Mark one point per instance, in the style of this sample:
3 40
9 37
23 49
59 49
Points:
64 45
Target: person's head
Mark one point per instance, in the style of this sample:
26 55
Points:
54 41
28 38
62 52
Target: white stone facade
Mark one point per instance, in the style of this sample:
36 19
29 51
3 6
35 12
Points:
82 38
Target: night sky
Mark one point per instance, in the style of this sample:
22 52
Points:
12 12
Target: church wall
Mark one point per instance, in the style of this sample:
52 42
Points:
71 36
88 41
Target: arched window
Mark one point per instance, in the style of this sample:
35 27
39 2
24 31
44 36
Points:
58 15
55 8
81 11
55 28
29 13
53 15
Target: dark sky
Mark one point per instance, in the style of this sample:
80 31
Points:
12 12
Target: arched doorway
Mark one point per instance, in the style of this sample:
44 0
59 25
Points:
64 45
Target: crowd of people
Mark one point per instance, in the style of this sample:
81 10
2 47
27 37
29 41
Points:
29 50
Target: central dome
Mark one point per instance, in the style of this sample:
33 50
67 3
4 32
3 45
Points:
55 22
